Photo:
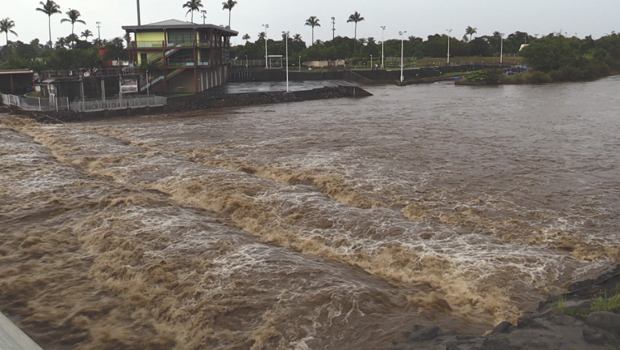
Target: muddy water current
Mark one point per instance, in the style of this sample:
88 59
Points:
335 224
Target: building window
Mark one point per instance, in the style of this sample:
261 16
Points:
181 58
143 58
180 37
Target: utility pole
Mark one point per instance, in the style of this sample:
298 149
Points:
333 28
138 3
99 31
204 16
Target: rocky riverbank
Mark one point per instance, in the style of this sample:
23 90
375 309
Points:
585 318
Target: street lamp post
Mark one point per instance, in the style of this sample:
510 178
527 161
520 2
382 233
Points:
449 36
204 16
300 63
266 56
382 46
402 56
501 50
99 31
287 34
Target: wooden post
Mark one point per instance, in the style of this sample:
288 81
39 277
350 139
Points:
102 88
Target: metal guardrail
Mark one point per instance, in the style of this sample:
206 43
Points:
121 103
50 104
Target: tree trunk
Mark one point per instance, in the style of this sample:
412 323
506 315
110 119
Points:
229 11
355 38
49 23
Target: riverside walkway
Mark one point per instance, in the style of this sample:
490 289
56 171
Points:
12 338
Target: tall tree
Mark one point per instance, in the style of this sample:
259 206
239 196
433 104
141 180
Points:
246 37
471 31
356 17
85 34
49 8
73 16
313 22
6 26
193 5
228 5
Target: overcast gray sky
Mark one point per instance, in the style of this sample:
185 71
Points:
419 18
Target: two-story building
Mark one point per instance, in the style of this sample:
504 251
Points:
181 57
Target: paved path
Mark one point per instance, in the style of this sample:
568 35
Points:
12 338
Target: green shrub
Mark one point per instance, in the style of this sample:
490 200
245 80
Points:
489 76
537 77
606 304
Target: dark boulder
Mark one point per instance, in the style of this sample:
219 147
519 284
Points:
503 327
424 334
604 320
599 337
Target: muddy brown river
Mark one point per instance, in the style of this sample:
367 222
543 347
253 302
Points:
333 224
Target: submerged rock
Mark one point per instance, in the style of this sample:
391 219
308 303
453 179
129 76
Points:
424 334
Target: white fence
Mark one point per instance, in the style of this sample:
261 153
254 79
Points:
53 103
37 104
121 103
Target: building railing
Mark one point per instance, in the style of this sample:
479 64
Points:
187 64
183 43
120 103
180 43
94 73
150 44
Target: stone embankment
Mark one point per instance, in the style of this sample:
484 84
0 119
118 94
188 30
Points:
259 98
198 102
563 322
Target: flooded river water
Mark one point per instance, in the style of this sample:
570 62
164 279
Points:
333 224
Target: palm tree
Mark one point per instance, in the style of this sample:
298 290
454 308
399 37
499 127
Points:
262 35
85 34
297 38
246 37
356 17
5 27
471 31
193 5
49 8
73 18
313 22
228 5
